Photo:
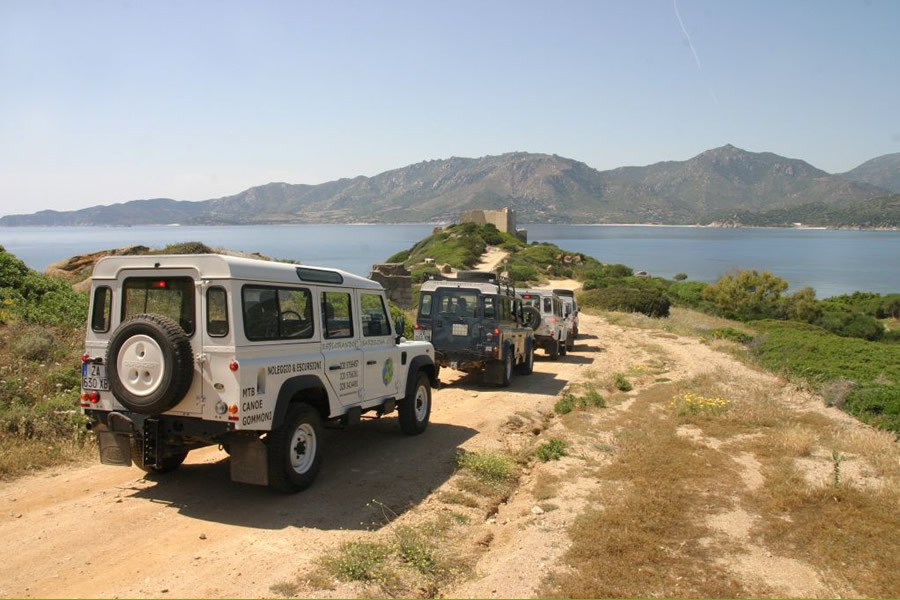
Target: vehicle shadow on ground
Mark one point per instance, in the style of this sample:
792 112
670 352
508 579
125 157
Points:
587 348
536 383
362 467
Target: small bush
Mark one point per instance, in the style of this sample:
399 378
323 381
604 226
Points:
522 273
566 404
680 276
185 248
488 467
731 334
33 344
652 303
622 384
357 561
551 450
746 295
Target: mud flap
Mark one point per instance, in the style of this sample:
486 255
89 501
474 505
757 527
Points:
249 462
115 447
493 372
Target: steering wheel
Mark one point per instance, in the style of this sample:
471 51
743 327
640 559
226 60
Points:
296 315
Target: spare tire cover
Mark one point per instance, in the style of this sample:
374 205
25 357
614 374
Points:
532 317
150 363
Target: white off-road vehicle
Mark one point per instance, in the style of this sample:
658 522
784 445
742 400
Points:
552 333
195 350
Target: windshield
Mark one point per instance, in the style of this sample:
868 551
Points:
461 303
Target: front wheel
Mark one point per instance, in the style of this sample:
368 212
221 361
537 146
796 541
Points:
570 342
415 409
295 450
553 350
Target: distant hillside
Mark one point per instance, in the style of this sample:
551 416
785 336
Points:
877 213
883 171
542 188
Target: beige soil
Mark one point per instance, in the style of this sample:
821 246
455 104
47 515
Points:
98 531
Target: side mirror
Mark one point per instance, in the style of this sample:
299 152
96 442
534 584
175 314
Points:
399 326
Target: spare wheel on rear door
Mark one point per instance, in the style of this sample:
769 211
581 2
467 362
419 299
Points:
150 363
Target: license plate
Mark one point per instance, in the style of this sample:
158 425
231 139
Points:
93 377
422 335
460 329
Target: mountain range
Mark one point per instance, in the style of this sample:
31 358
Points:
722 182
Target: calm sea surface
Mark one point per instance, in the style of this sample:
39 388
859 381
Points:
832 262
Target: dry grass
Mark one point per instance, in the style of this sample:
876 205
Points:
841 529
460 498
636 545
546 486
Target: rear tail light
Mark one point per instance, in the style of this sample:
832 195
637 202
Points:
92 397
417 326
233 365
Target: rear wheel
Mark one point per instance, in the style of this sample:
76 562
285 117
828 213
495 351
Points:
563 347
553 350
526 367
415 409
295 449
169 463
570 342
507 368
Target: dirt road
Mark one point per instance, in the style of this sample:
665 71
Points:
104 531
107 531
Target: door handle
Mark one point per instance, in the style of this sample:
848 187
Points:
334 368
371 362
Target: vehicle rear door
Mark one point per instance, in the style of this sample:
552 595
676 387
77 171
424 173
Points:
456 320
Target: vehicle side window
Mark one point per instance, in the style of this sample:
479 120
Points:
505 312
277 313
172 297
548 305
424 305
295 318
374 316
216 312
102 309
490 312
336 315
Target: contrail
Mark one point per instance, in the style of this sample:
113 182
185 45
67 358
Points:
686 34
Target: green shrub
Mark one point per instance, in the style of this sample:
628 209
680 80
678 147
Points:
649 302
847 323
36 298
488 467
822 357
680 277
687 293
802 306
566 404
551 450
746 295
622 384
185 248
422 273
34 345
521 273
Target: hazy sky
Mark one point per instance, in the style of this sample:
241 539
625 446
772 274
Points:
104 101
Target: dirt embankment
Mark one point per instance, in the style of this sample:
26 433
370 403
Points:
104 531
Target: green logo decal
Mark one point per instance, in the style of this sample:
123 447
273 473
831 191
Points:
387 372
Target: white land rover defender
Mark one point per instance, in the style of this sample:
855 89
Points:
195 350
552 333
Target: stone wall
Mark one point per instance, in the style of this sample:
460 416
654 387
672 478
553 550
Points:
397 282
503 219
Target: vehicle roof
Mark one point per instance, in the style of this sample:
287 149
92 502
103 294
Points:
220 266
482 286
534 292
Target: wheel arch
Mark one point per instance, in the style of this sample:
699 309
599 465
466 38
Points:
420 363
306 388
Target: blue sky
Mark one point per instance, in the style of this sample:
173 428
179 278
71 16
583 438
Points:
104 102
